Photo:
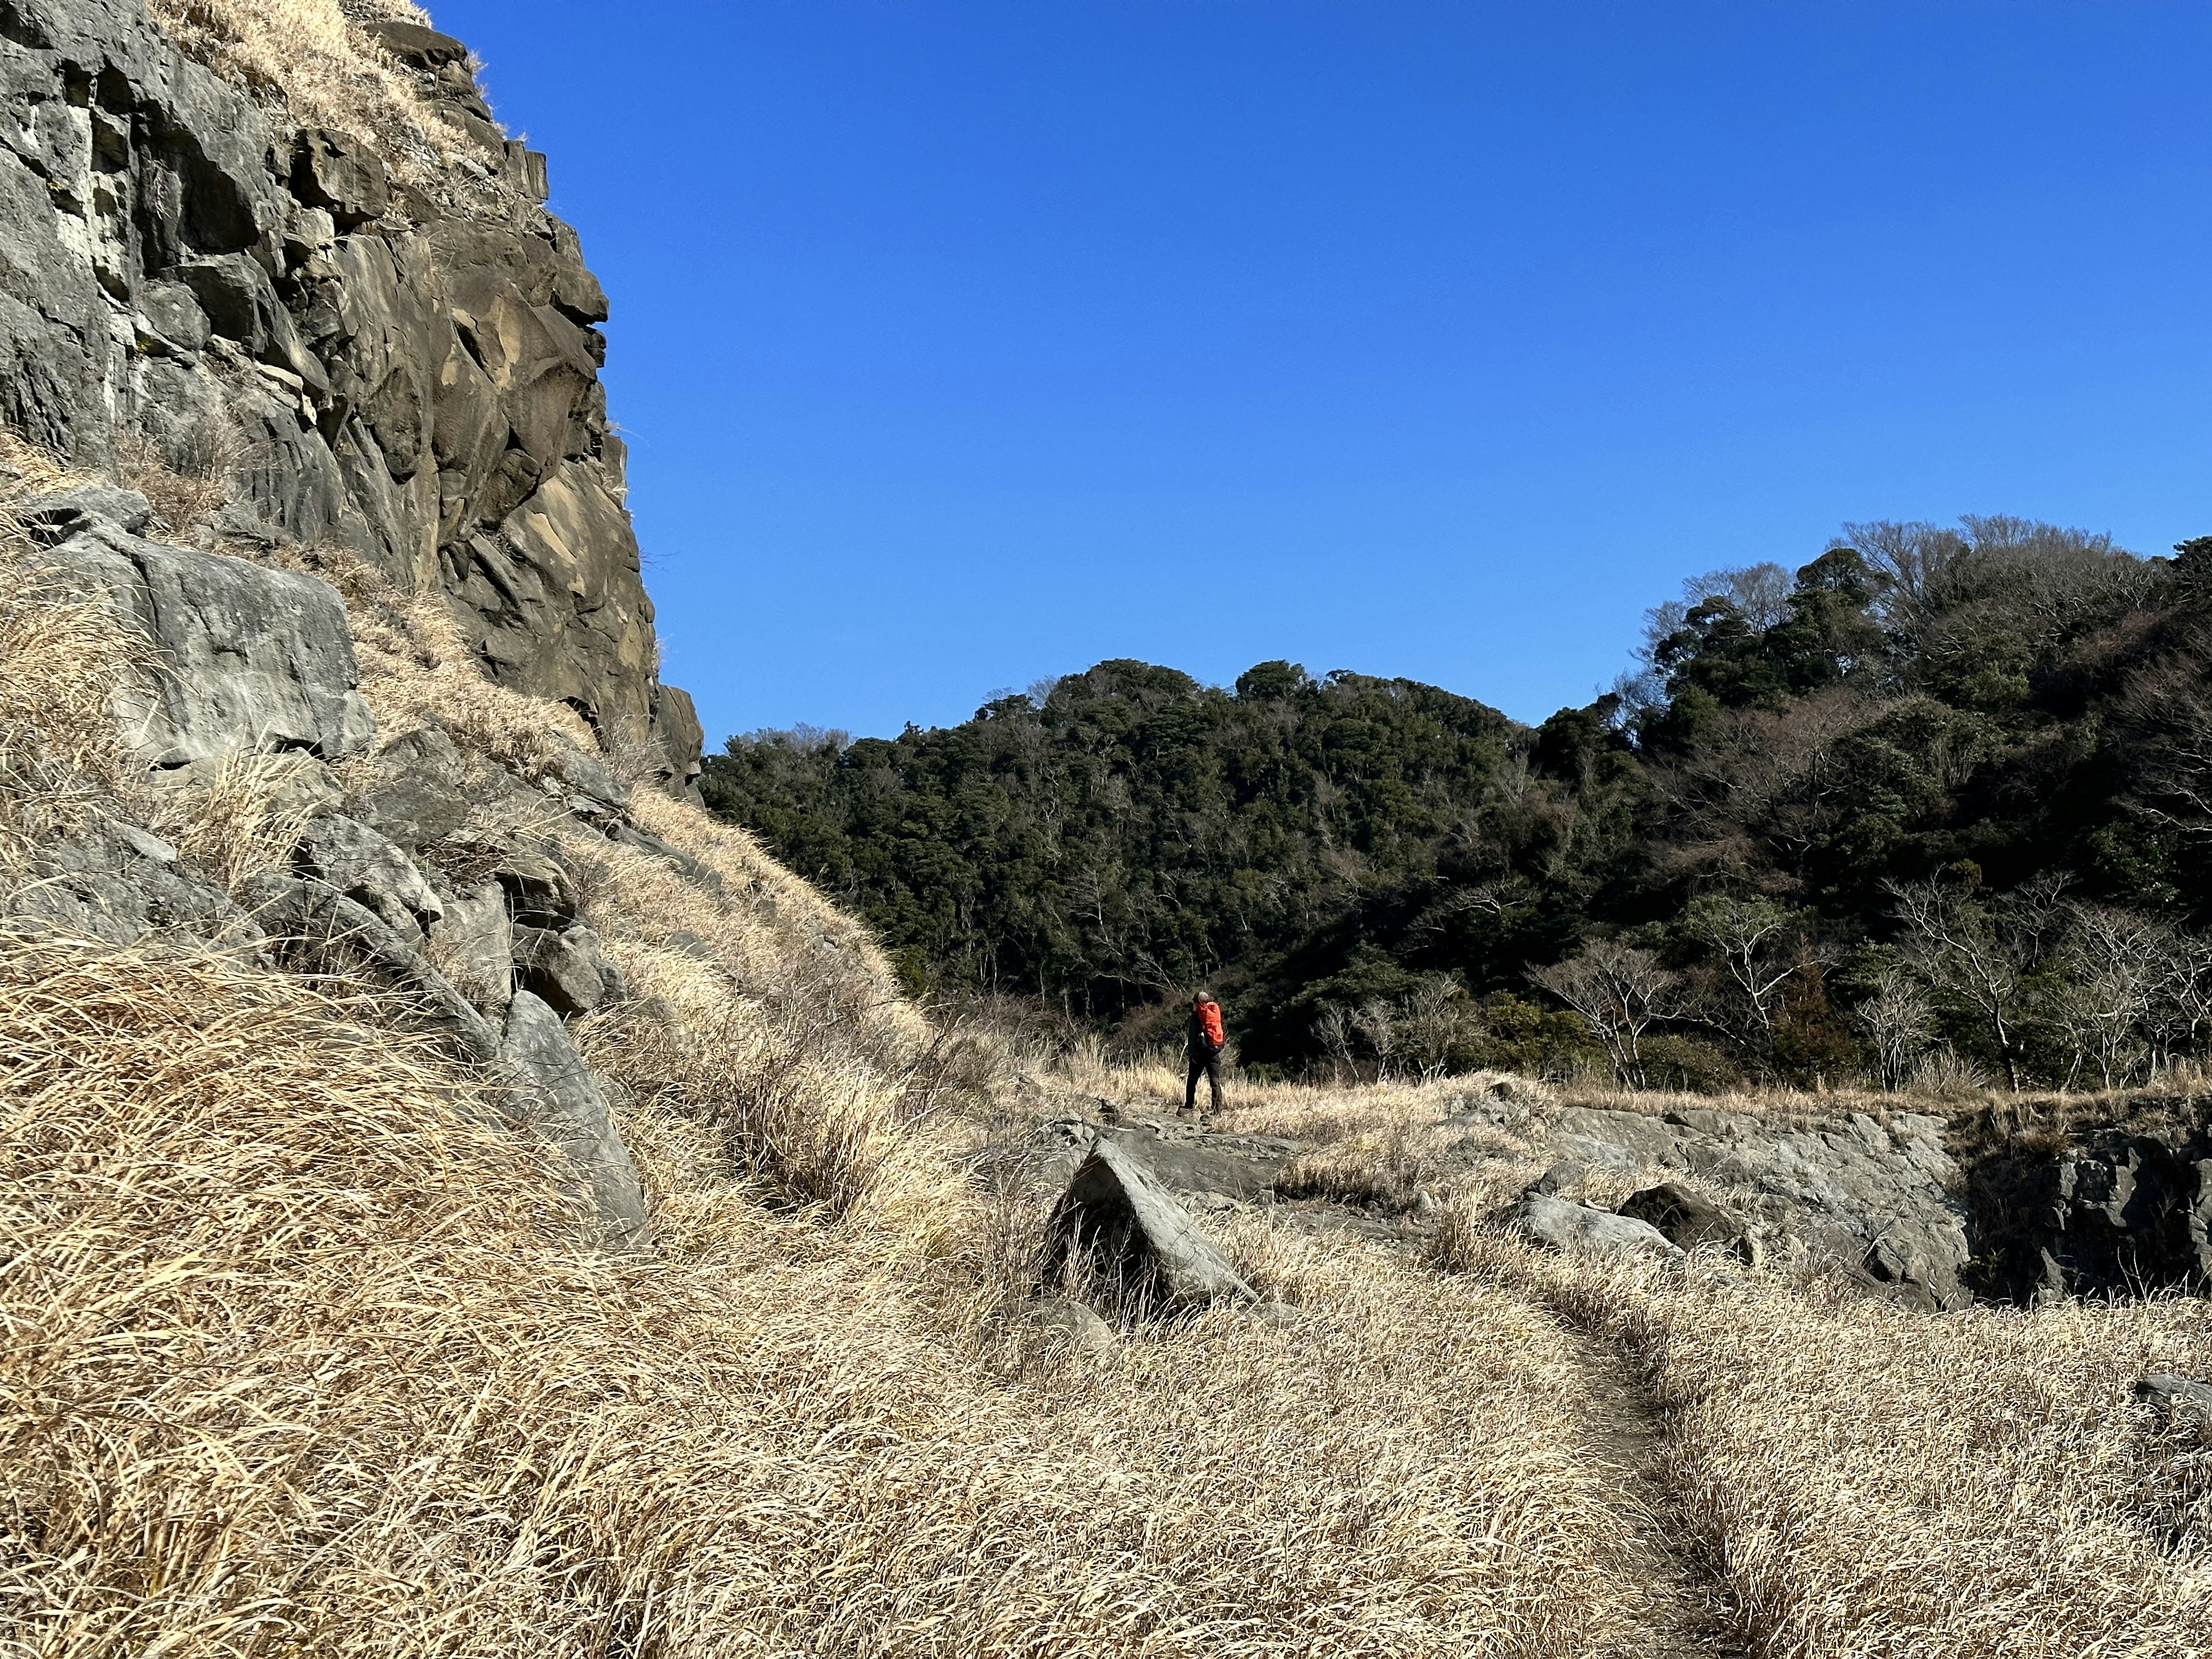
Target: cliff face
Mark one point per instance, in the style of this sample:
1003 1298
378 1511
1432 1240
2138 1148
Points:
395 353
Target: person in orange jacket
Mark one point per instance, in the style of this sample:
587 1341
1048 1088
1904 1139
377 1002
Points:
1202 1046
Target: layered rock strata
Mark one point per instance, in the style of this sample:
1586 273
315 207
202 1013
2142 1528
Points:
404 363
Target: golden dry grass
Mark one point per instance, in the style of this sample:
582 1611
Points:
299 1359
316 62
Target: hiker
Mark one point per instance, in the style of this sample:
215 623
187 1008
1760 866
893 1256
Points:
1204 1047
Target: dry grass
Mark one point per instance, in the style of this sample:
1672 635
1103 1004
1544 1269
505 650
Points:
300 1361
1880 1482
314 61
64 658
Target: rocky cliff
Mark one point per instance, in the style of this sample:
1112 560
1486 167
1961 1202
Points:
325 336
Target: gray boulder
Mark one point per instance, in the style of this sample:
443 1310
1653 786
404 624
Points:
116 882
1577 1227
370 870
247 656
332 171
419 789
2185 1404
538 888
474 936
64 513
1692 1220
1116 1214
315 928
555 1093
1877 1201
570 971
1069 1325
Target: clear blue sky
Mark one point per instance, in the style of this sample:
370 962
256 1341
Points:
963 343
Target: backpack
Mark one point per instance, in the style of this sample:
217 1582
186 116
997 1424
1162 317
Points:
1209 1023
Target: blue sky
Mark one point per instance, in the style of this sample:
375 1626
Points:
961 344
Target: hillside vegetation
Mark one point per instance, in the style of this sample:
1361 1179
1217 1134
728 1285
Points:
1935 805
317 1342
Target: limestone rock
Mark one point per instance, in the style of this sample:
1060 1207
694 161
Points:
370 870
315 928
557 1095
1566 1226
569 970
248 657
1692 1220
1115 1212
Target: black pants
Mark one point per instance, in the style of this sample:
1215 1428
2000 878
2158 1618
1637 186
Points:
1205 1062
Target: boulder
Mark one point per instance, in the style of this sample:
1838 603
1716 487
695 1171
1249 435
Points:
475 938
2119 1210
248 657
414 46
315 928
332 171
119 882
419 789
555 1093
63 512
370 870
1124 1221
1577 1227
570 971
1068 1325
538 888
2186 1405
1843 1192
1692 1220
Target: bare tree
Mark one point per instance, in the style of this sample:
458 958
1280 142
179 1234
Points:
1980 954
1377 1022
1753 938
1333 1026
2120 964
1435 1019
1620 991
1900 1024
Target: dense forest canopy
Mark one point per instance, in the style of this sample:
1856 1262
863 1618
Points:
1934 804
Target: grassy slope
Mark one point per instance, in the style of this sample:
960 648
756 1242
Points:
300 1357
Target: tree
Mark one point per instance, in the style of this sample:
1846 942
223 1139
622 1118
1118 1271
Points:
1621 991
1755 939
1900 1023
1981 954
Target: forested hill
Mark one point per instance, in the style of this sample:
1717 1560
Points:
1941 798
1128 832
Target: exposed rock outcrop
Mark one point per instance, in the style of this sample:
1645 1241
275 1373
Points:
2119 1210
1878 1201
1568 1226
406 366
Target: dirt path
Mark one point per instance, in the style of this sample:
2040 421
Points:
1687 1612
